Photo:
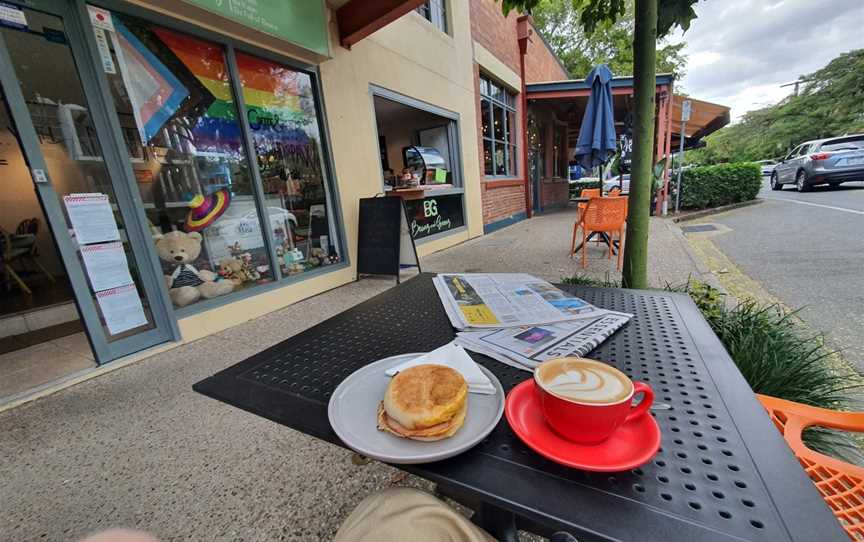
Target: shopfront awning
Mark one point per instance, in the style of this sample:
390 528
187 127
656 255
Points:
705 118
360 18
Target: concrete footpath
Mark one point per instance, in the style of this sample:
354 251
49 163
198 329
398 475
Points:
138 448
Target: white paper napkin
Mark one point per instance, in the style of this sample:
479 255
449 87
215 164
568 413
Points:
455 357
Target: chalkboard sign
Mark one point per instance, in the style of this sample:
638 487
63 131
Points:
383 241
434 214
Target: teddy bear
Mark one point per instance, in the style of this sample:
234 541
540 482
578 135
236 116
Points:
236 271
186 285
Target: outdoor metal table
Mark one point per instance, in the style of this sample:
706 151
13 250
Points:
723 471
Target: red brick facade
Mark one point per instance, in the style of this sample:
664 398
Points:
541 64
554 193
505 199
502 202
490 29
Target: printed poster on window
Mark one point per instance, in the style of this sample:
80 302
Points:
121 308
106 265
91 217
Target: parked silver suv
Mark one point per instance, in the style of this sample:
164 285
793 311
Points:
823 161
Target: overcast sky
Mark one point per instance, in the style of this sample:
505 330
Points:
741 51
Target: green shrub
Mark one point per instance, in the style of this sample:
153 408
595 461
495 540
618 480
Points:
712 186
776 358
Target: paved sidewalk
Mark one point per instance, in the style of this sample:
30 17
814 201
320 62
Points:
138 448
540 246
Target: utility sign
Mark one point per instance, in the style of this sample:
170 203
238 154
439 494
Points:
685 110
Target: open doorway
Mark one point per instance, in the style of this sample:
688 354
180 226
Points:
420 162
41 333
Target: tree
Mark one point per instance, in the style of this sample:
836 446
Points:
610 43
653 18
828 104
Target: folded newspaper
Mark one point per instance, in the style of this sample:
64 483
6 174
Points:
521 320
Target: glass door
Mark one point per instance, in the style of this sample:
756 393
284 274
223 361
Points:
51 88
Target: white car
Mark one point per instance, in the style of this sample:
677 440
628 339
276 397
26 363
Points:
767 167
614 182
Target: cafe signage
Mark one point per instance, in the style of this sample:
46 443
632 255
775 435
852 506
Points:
301 22
433 215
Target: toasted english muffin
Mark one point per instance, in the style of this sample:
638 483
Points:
425 396
436 432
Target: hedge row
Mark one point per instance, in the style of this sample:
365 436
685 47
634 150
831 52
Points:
578 186
712 186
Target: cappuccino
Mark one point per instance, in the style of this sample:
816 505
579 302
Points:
583 381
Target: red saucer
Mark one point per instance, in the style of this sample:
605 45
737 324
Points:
633 444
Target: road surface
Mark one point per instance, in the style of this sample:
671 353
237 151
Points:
807 249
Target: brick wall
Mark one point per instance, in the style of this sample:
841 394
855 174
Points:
502 201
540 63
490 29
554 193
498 34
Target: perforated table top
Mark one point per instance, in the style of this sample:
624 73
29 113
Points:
723 471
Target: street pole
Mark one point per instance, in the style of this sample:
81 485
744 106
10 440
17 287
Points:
686 106
680 169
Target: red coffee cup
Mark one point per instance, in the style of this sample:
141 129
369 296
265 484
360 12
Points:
585 401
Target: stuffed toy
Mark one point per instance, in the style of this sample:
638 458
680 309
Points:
236 271
186 285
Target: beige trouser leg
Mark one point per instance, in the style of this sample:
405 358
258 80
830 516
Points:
401 514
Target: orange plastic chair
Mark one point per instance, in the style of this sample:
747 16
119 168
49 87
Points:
585 193
602 215
841 484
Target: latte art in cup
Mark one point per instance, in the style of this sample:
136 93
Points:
584 381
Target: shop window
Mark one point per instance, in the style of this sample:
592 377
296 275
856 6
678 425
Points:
435 12
280 105
498 125
180 122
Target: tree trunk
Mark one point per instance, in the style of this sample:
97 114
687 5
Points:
635 273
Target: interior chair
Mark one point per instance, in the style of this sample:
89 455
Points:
9 254
841 484
604 216
27 235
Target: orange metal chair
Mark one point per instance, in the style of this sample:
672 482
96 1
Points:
841 484
602 215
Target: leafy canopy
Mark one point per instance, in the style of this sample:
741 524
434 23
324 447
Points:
670 13
610 43
828 104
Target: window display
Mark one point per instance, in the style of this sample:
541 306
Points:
180 123
280 106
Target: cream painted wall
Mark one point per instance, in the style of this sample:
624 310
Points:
415 59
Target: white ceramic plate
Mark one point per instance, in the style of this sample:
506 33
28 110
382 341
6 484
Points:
353 413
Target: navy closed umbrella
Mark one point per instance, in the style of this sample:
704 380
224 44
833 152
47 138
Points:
597 143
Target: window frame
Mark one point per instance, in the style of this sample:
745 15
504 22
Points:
455 137
435 11
507 105
231 45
